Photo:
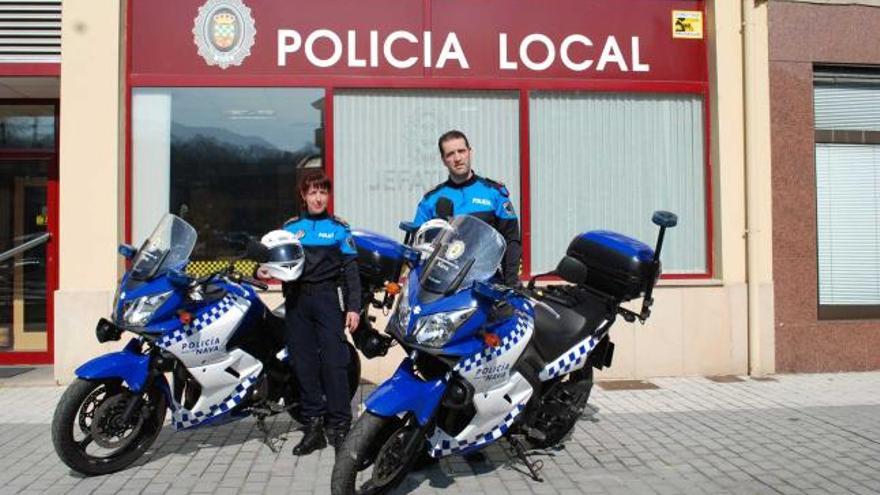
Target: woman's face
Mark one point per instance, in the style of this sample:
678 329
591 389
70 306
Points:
316 200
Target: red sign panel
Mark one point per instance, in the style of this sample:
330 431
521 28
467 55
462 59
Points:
604 40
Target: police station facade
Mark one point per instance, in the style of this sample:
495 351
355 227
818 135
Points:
593 115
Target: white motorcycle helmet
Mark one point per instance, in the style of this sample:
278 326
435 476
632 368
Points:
285 255
430 230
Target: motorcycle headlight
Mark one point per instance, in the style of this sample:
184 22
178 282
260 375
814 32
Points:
137 313
435 330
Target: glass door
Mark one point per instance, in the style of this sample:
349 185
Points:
28 229
24 267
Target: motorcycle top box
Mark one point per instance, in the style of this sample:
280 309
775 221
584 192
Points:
617 265
379 258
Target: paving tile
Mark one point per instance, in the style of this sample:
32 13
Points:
794 434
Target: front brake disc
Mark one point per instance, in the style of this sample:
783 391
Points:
108 430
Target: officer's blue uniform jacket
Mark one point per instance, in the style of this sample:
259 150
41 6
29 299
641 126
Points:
487 200
330 254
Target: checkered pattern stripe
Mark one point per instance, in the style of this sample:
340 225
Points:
202 321
200 268
572 359
448 445
183 418
524 326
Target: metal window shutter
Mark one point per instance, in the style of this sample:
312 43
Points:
849 105
30 31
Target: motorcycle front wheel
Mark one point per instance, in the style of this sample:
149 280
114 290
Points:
374 458
88 430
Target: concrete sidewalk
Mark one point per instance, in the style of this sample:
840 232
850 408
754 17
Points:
795 434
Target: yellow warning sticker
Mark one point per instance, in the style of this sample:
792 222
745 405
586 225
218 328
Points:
687 24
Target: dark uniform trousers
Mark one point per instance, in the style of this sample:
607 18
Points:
315 321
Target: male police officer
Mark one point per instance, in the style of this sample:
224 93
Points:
474 195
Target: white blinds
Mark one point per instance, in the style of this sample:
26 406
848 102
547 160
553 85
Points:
151 159
847 107
386 156
30 31
607 161
848 212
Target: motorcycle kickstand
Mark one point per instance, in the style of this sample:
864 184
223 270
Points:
267 437
535 467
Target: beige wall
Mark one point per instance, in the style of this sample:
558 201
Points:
90 171
697 328
759 196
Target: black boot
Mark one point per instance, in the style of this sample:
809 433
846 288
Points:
313 439
336 435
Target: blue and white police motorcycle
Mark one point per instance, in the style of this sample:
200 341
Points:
487 361
222 347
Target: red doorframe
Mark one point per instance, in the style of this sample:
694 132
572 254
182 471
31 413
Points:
47 356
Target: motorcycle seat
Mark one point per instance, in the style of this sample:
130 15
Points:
575 322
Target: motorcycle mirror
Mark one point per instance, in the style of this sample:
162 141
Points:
664 219
571 270
127 250
444 209
408 227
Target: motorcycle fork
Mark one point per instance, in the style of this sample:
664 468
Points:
138 399
419 436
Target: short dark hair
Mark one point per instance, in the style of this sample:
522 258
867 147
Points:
316 179
449 136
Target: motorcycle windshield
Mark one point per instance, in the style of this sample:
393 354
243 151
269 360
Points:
169 246
469 251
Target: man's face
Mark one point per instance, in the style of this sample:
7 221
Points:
457 158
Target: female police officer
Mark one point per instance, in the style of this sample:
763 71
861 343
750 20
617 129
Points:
317 310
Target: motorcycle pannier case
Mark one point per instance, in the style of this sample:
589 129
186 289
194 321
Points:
617 265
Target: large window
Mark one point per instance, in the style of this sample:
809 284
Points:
386 155
847 109
27 127
607 161
225 159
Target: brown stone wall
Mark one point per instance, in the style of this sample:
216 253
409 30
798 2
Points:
800 35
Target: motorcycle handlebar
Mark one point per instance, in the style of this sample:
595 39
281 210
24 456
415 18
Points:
256 283
237 277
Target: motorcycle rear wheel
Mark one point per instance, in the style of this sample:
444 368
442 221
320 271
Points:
92 410
562 408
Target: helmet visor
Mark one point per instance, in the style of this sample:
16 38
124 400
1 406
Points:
286 253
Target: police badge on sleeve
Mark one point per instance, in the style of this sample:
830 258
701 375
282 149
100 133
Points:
224 32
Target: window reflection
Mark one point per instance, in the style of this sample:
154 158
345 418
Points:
27 127
235 156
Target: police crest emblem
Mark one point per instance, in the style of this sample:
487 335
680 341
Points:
224 32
